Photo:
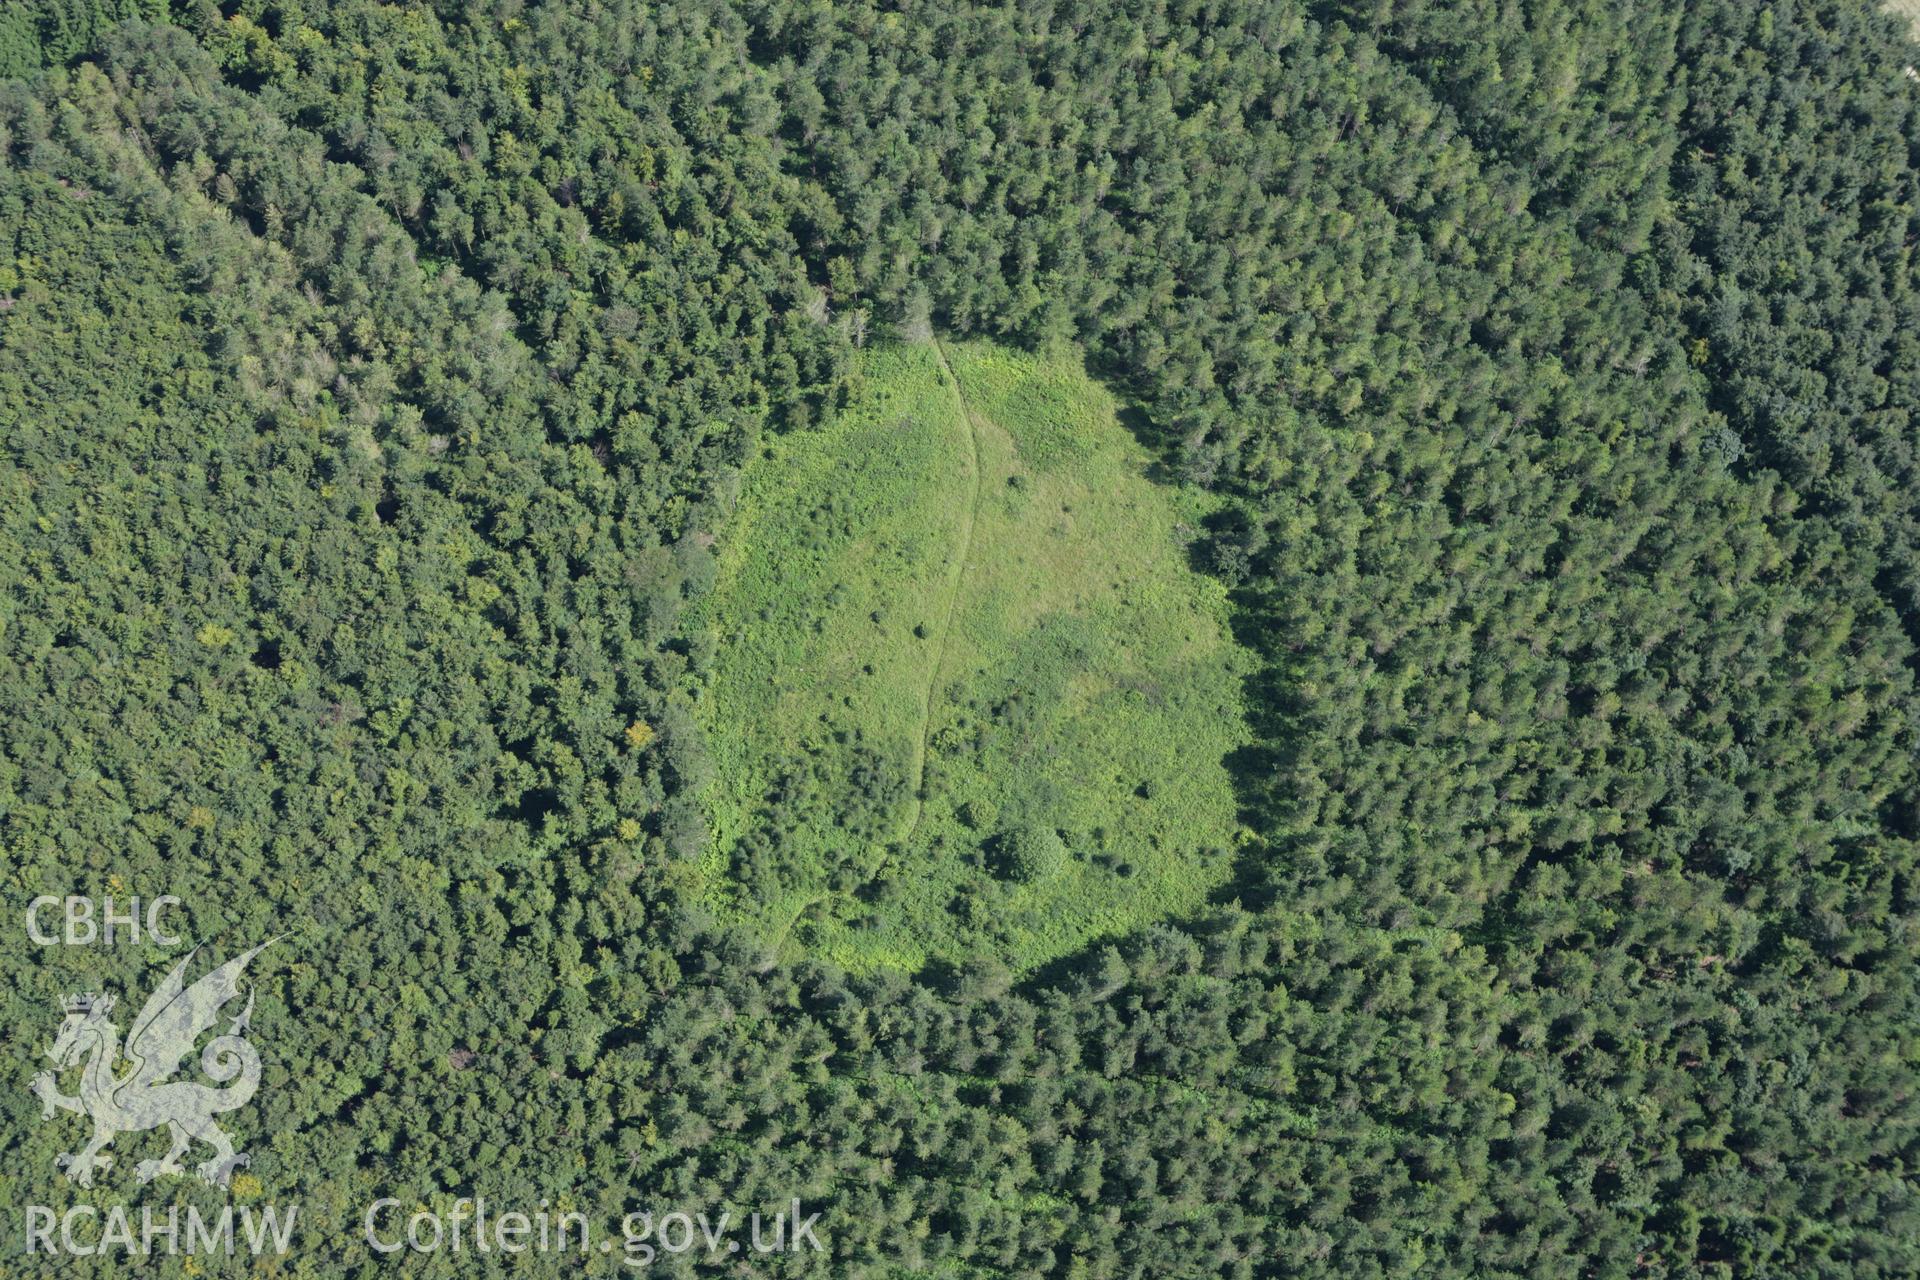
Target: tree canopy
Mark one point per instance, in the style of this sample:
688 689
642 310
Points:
374 383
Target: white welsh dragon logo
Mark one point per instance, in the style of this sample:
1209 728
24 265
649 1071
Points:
143 1096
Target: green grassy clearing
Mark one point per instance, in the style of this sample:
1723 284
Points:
940 640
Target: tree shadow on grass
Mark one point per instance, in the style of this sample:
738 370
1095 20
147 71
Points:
1276 718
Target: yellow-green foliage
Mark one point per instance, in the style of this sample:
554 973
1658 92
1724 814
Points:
993 611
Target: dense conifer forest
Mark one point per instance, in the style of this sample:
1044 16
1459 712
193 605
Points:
1233 638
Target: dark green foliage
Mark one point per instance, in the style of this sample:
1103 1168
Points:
374 380
1031 853
38 32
